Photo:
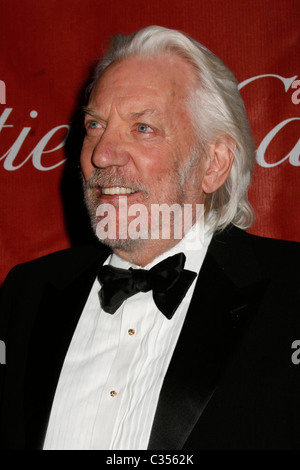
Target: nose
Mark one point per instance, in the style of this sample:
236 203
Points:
110 150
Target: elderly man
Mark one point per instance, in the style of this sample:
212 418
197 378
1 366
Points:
153 341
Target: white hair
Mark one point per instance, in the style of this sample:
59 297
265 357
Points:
216 106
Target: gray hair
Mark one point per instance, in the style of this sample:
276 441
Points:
216 106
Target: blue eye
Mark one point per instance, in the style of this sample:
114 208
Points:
144 128
93 124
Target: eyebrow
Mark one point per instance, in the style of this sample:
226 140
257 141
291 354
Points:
86 110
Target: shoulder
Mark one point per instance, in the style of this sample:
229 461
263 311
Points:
280 257
56 266
70 255
235 235
276 258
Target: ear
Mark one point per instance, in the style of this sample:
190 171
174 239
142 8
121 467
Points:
219 163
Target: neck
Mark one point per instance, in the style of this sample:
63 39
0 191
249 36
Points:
145 253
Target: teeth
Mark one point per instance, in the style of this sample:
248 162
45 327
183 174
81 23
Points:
117 190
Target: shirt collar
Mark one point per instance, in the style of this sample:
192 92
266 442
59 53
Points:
194 245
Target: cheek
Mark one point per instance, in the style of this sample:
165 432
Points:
156 160
85 163
147 164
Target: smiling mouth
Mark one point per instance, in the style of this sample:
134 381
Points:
116 190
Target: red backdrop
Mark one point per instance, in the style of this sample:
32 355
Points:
47 51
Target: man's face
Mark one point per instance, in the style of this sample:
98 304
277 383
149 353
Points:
139 137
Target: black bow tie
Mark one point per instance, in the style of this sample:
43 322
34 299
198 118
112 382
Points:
168 280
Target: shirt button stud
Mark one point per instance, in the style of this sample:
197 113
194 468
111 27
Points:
131 332
113 393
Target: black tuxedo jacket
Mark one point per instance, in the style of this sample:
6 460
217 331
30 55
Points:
231 383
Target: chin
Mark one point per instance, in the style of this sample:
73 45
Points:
123 245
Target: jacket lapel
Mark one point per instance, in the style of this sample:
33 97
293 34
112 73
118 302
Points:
228 291
59 312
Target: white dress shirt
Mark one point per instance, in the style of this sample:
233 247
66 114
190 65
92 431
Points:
112 375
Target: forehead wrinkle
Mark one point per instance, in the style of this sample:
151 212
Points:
144 112
133 115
